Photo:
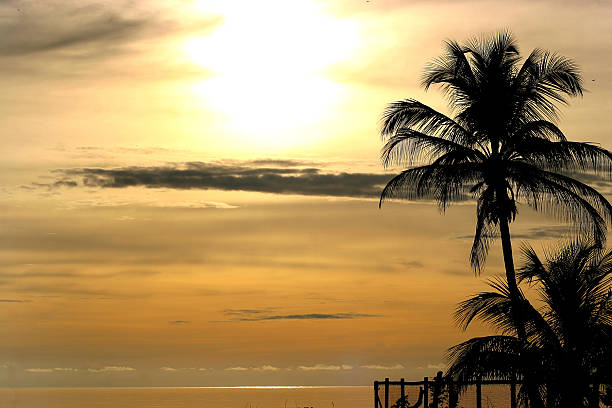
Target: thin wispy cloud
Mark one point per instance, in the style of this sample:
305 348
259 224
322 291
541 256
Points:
266 368
258 315
539 232
198 204
111 369
39 370
172 369
262 368
51 370
37 274
54 26
57 36
168 369
383 367
439 366
326 367
240 312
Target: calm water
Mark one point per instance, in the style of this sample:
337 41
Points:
316 397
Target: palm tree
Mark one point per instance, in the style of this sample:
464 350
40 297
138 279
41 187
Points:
569 339
501 146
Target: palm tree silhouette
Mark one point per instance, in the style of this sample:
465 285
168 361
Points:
569 339
501 147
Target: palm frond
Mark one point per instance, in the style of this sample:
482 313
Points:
494 308
532 265
542 129
454 73
440 181
564 156
549 80
485 232
563 197
408 146
413 114
488 357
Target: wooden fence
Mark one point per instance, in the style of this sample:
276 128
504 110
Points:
434 388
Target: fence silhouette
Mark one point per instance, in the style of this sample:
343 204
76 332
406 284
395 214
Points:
442 392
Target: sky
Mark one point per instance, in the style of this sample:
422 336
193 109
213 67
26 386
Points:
188 189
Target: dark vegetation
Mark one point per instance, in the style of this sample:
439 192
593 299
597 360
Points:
501 146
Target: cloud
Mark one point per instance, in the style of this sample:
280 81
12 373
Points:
598 181
540 232
258 315
61 36
280 162
38 27
180 322
410 264
13 301
197 204
111 369
543 232
38 274
125 218
241 176
51 370
266 368
326 367
382 367
182 369
238 312
438 366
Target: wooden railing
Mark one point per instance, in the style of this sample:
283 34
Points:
435 385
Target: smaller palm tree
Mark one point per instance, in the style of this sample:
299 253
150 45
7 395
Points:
569 338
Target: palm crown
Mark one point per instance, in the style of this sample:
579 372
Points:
569 336
501 145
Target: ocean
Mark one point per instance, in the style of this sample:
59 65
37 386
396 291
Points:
223 397
188 397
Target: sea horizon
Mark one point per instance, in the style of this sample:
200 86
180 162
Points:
194 386
188 397
295 396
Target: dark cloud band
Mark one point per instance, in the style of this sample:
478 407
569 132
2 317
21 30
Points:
284 178
308 316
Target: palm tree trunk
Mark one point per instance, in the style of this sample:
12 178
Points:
519 321
515 296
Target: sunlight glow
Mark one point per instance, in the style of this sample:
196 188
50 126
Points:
268 72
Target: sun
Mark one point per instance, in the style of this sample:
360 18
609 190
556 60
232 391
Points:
268 62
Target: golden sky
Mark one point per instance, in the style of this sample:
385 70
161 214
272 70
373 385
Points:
188 188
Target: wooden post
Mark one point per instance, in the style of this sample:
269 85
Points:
478 393
402 394
453 397
513 390
376 398
386 392
426 391
437 389
594 397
